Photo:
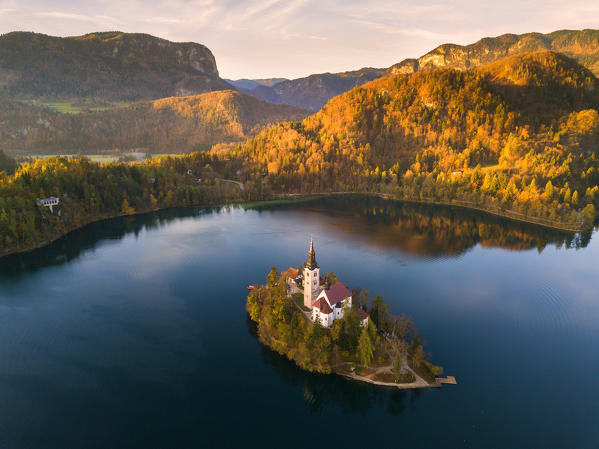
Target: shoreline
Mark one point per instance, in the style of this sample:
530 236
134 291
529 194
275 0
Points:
248 204
454 203
418 383
407 386
290 198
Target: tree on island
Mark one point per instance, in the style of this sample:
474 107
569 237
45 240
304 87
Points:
272 277
396 366
330 278
286 329
346 331
360 298
365 348
318 342
379 311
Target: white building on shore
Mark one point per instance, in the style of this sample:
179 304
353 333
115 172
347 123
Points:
49 202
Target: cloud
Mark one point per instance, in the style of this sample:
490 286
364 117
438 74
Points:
257 8
292 38
164 20
65 15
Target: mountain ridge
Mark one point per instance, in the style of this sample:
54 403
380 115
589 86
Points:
521 135
111 65
172 124
249 84
313 91
581 45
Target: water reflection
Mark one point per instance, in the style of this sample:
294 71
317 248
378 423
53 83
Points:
87 239
144 341
416 229
320 390
429 230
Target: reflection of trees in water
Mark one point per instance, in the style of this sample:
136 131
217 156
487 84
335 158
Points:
418 229
87 238
320 389
429 230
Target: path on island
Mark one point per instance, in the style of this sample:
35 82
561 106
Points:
419 382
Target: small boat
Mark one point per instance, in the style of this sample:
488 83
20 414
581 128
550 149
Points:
251 287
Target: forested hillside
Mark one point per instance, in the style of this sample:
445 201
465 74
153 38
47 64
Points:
108 65
89 191
518 136
314 91
168 125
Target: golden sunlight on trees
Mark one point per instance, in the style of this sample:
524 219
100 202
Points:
513 136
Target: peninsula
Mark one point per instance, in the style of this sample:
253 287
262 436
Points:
322 326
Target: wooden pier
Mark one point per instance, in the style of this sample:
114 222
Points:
449 380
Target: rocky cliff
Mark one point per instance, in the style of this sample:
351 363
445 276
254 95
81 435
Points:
109 65
580 45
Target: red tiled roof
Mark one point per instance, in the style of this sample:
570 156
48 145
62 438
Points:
338 292
363 314
322 306
291 272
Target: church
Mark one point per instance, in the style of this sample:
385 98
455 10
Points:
326 304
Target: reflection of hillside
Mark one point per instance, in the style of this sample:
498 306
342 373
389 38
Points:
417 229
321 389
87 239
429 230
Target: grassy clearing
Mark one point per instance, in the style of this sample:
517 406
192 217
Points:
100 157
92 157
68 107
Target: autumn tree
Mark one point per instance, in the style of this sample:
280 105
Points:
126 209
273 276
365 348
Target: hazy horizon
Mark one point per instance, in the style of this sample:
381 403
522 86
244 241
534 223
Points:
292 39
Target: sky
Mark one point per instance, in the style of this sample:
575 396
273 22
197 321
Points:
295 38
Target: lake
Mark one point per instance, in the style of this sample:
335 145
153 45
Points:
132 332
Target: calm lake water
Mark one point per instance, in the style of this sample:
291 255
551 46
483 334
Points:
132 332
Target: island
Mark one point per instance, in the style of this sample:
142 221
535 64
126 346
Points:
318 323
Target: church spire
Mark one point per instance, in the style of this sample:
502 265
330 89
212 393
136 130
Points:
312 256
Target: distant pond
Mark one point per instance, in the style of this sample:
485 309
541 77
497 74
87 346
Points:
132 332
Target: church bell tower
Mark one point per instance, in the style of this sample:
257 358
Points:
311 278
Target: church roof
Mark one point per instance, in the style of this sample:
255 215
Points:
291 272
323 306
338 292
363 314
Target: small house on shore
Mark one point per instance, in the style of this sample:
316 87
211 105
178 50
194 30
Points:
49 202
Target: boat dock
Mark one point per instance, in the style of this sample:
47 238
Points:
449 380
